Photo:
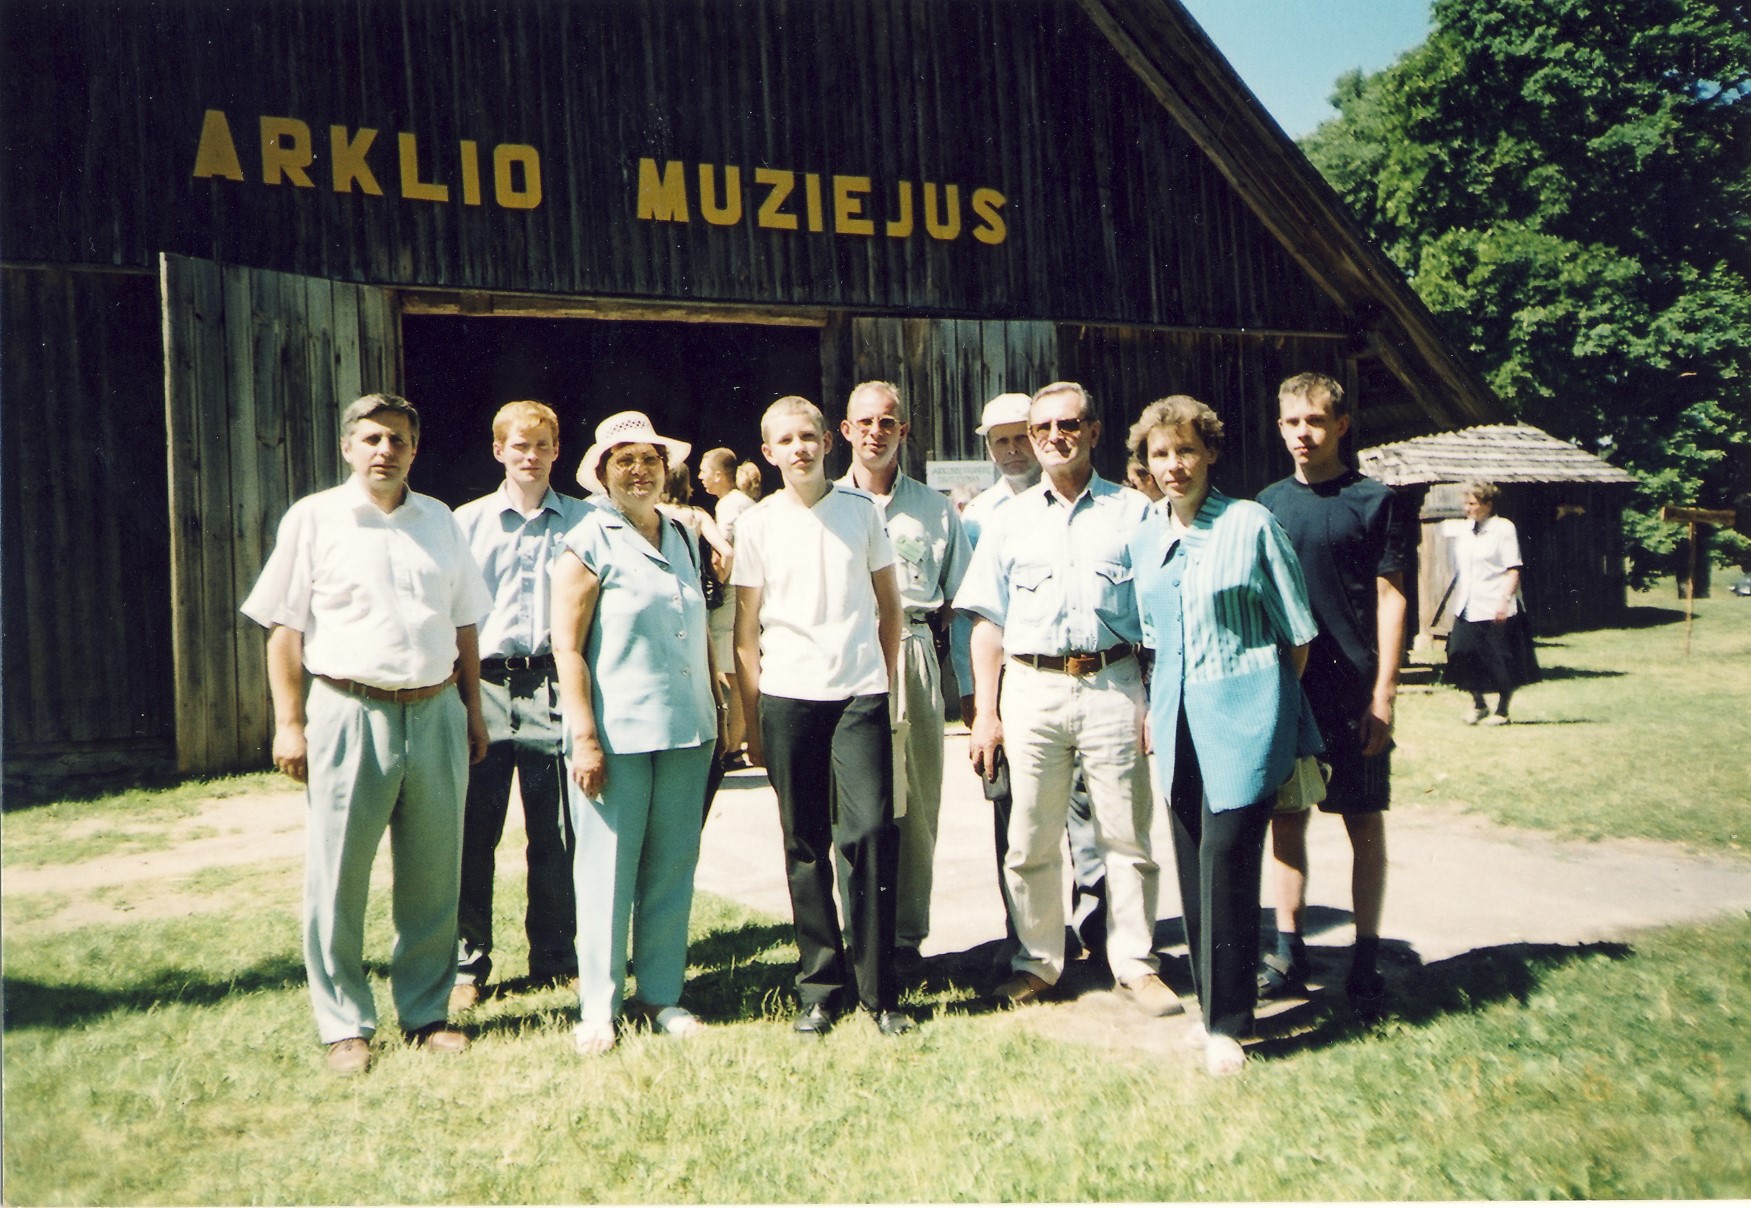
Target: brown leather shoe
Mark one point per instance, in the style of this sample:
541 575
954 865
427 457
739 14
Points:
1022 990
349 1057
438 1038
464 996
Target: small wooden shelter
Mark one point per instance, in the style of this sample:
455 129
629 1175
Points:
223 221
1566 503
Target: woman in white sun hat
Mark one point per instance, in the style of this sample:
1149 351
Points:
643 724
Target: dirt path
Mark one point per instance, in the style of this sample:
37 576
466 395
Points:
1459 883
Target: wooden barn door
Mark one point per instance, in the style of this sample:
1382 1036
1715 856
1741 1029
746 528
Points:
257 368
948 369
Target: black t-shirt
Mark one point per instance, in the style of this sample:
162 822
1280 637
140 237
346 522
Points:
1348 532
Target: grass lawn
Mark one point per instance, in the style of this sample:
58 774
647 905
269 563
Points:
1624 738
174 1061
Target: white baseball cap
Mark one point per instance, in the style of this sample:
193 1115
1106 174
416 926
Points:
1004 409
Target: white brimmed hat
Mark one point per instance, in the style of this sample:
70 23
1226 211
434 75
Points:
1004 409
626 428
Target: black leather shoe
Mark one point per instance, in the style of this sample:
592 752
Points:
893 1023
814 1020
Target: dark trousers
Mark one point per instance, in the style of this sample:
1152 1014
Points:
1219 857
831 765
522 723
1088 886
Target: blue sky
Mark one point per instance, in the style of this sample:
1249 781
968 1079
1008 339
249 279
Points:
1290 52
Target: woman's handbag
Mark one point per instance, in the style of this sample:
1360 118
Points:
1305 787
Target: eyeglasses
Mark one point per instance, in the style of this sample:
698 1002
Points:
887 425
1064 427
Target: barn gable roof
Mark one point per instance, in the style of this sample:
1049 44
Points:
1186 72
1496 452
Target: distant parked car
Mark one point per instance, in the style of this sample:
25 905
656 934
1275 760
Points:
1742 586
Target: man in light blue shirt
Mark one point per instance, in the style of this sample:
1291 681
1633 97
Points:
1056 677
514 534
1003 424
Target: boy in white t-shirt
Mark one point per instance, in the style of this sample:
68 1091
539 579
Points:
818 619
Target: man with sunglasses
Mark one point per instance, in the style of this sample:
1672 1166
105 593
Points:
931 554
1056 681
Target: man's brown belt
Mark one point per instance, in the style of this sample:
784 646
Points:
398 696
1078 664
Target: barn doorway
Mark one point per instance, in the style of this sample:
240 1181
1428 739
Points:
705 382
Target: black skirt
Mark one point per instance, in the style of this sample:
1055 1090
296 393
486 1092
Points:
1491 656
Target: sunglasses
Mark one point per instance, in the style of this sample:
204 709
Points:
887 425
1064 427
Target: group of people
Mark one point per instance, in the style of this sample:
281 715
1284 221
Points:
1117 656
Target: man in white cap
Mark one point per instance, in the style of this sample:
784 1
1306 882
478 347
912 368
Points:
1004 427
514 534
931 554
371 588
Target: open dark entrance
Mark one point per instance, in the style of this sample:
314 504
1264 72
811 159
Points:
703 382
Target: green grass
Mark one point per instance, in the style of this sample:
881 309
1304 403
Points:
1625 737
122 823
174 1062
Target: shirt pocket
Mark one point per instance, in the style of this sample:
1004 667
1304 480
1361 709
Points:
1032 600
1113 586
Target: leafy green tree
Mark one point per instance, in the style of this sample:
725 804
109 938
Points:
1567 183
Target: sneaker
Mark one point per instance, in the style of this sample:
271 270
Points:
1150 995
1223 1056
1281 979
1496 719
1473 714
1366 990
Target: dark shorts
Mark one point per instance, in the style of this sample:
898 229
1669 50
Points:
1359 784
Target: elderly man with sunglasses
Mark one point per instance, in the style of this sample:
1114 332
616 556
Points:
1056 634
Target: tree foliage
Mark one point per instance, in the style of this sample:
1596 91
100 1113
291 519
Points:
1567 183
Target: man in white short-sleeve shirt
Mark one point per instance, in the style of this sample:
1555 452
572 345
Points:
817 634
371 588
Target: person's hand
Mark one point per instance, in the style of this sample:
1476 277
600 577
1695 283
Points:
986 741
292 752
1375 727
477 737
589 766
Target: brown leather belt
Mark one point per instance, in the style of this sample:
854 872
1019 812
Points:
1078 664
398 696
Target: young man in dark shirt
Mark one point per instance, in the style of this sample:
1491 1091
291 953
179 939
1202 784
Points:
1356 541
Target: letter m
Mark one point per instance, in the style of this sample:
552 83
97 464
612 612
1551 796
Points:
662 198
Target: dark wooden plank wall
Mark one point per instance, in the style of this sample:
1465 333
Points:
258 367
946 370
87 612
1113 213
1128 368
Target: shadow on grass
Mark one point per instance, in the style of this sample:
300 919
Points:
1577 673
35 1004
1419 994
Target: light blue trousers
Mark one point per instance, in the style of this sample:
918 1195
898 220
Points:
376 766
637 848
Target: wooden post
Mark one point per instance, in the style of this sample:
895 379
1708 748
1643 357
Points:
1694 517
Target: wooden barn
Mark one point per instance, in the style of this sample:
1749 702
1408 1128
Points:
223 221
1566 504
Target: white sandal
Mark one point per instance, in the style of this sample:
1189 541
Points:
593 1037
1223 1056
678 1022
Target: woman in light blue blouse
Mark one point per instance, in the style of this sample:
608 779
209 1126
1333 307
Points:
642 723
1225 611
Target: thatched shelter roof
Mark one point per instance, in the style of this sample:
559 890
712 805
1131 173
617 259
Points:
1496 452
